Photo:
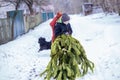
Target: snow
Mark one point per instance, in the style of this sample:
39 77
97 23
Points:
98 33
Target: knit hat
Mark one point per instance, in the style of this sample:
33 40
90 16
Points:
65 17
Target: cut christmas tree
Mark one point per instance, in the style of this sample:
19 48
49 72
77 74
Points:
68 60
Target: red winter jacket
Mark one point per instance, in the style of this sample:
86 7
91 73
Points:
53 22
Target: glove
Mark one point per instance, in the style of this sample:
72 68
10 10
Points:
59 14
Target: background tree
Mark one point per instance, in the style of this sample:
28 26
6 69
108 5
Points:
109 5
42 2
68 6
17 3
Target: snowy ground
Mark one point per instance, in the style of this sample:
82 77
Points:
99 34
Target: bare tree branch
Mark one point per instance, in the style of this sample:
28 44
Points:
17 3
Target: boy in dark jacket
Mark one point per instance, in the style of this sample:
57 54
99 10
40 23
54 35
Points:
64 27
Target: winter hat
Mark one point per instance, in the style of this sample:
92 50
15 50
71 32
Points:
65 17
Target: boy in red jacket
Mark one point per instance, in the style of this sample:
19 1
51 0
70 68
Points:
53 22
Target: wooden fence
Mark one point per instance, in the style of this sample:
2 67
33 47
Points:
18 25
5 31
30 21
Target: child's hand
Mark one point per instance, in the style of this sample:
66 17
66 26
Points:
67 33
59 14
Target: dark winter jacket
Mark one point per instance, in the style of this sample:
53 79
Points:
61 28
